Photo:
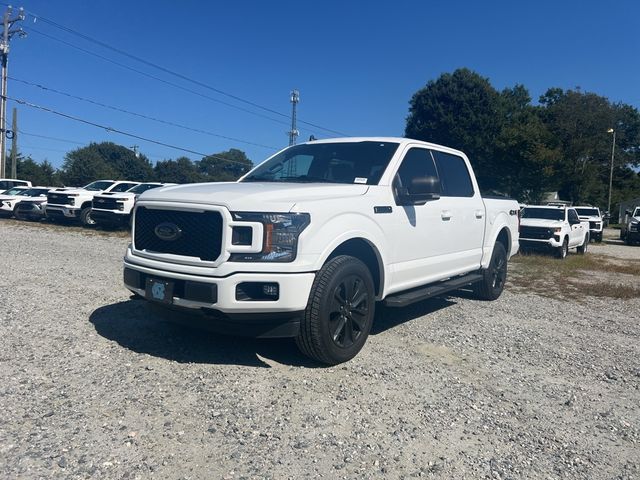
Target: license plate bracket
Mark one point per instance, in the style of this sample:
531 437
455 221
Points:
159 290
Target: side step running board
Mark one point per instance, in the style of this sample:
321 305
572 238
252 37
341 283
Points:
422 293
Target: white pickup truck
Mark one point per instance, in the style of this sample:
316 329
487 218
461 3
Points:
310 240
113 209
553 228
75 204
594 217
630 226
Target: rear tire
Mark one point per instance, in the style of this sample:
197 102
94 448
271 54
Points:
563 251
582 249
493 277
339 312
85 217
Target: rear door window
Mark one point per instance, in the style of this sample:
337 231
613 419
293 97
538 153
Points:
454 175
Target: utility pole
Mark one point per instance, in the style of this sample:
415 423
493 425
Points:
7 33
14 144
293 133
613 152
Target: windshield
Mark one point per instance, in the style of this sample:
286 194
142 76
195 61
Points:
143 187
123 187
588 212
14 191
344 162
99 185
543 213
636 213
36 192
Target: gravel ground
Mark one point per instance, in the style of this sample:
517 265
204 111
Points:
96 385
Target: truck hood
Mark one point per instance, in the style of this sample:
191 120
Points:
79 191
250 196
116 195
540 222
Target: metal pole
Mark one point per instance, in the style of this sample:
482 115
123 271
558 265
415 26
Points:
14 144
3 93
613 151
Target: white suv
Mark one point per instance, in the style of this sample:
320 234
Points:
594 217
553 228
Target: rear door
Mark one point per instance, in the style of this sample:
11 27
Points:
443 237
462 213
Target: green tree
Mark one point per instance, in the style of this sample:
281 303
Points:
224 166
461 110
181 170
37 173
104 160
523 156
579 122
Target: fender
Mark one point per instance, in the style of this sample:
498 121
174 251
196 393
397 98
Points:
497 223
336 231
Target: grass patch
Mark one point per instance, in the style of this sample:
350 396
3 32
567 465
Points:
576 276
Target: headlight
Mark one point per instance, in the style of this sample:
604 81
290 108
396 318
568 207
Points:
634 222
72 201
557 230
280 239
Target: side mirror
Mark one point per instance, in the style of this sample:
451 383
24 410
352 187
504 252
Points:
627 212
420 191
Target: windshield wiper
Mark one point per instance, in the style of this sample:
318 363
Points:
260 178
308 179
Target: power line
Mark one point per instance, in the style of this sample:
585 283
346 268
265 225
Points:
140 115
176 74
51 138
148 75
121 132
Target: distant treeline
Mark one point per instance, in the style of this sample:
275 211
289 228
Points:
111 161
523 149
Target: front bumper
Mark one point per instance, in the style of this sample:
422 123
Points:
31 211
109 217
539 244
226 308
54 211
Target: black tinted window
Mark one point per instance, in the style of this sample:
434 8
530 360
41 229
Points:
573 216
416 163
454 176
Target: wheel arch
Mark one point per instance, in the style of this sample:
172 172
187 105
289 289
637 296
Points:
367 253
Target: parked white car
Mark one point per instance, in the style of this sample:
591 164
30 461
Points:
310 240
594 217
630 226
8 203
113 209
7 183
553 228
75 204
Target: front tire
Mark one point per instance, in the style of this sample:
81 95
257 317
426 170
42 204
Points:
563 251
493 277
85 217
339 312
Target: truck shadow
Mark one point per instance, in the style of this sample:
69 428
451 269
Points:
387 317
185 338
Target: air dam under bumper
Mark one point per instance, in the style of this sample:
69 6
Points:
217 297
62 212
539 244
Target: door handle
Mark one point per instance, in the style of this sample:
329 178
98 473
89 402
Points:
479 213
445 215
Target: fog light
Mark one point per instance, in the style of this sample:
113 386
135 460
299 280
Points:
270 289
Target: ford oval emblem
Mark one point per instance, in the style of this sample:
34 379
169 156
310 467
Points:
168 232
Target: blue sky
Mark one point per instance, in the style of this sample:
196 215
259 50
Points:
355 63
